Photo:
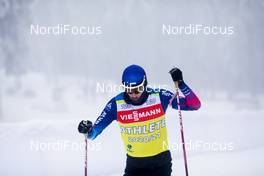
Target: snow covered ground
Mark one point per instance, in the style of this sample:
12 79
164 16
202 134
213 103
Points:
38 135
54 147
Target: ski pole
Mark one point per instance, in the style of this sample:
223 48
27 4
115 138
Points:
181 125
85 163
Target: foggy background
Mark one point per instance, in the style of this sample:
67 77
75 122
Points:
49 82
131 33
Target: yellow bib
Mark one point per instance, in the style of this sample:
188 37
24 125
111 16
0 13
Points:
143 127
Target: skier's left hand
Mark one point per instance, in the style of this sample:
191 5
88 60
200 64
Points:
176 74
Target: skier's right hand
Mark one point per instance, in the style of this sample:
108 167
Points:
85 126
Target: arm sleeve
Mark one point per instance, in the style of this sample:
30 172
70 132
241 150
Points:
106 117
188 103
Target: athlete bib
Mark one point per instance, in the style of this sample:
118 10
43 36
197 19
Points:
143 127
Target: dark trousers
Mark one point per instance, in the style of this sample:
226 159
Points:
159 165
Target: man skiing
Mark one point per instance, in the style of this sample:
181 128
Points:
140 113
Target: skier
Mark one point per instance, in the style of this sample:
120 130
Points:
140 113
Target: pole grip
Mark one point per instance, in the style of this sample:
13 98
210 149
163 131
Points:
176 84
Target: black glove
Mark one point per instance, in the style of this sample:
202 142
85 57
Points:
85 126
176 74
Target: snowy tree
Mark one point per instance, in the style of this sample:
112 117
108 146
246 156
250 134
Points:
13 14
